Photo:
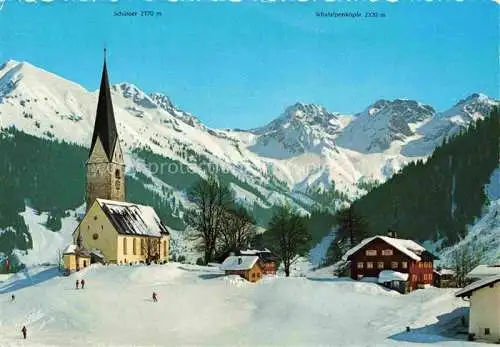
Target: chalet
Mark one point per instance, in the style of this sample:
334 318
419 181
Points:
484 319
268 260
379 253
248 267
121 232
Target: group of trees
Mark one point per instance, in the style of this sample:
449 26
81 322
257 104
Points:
432 200
438 198
218 223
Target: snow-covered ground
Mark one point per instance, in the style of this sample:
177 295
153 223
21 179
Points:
198 306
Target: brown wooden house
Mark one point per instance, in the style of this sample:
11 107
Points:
268 260
379 253
248 267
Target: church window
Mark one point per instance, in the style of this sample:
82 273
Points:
117 173
95 217
134 246
124 245
142 246
95 236
164 248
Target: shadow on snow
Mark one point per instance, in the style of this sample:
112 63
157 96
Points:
448 328
29 281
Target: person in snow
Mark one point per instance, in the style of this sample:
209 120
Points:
13 297
24 331
77 283
155 297
83 283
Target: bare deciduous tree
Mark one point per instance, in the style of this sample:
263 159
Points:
289 236
237 230
212 200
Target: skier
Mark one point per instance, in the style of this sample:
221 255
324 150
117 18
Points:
77 283
83 283
155 298
24 331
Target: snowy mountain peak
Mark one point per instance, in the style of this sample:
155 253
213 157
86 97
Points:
130 91
409 110
475 97
164 102
301 128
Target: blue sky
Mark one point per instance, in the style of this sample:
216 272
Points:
239 65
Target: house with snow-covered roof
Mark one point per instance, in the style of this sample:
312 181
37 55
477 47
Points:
484 313
379 253
120 232
249 267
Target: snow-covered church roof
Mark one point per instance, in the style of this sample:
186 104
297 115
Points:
235 262
133 219
408 247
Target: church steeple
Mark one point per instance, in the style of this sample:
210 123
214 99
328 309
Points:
105 165
105 126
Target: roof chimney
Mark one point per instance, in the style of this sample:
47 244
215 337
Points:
392 233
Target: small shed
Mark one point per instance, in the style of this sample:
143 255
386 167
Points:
394 280
248 267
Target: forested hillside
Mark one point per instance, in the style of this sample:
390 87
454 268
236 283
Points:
49 176
432 200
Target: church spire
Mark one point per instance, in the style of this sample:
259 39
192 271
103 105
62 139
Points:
105 127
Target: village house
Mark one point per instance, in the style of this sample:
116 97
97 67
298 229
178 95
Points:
248 267
444 278
268 259
406 261
120 232
484 317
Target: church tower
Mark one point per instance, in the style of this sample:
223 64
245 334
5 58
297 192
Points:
105 165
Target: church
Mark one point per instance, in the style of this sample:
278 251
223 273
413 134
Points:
113 230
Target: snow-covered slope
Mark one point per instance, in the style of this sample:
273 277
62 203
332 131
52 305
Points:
306 146
484 235
199 307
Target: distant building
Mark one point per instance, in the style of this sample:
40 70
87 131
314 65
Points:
248 267
76 257
484 320
268 259
121 232
376 254
483 271
444 278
